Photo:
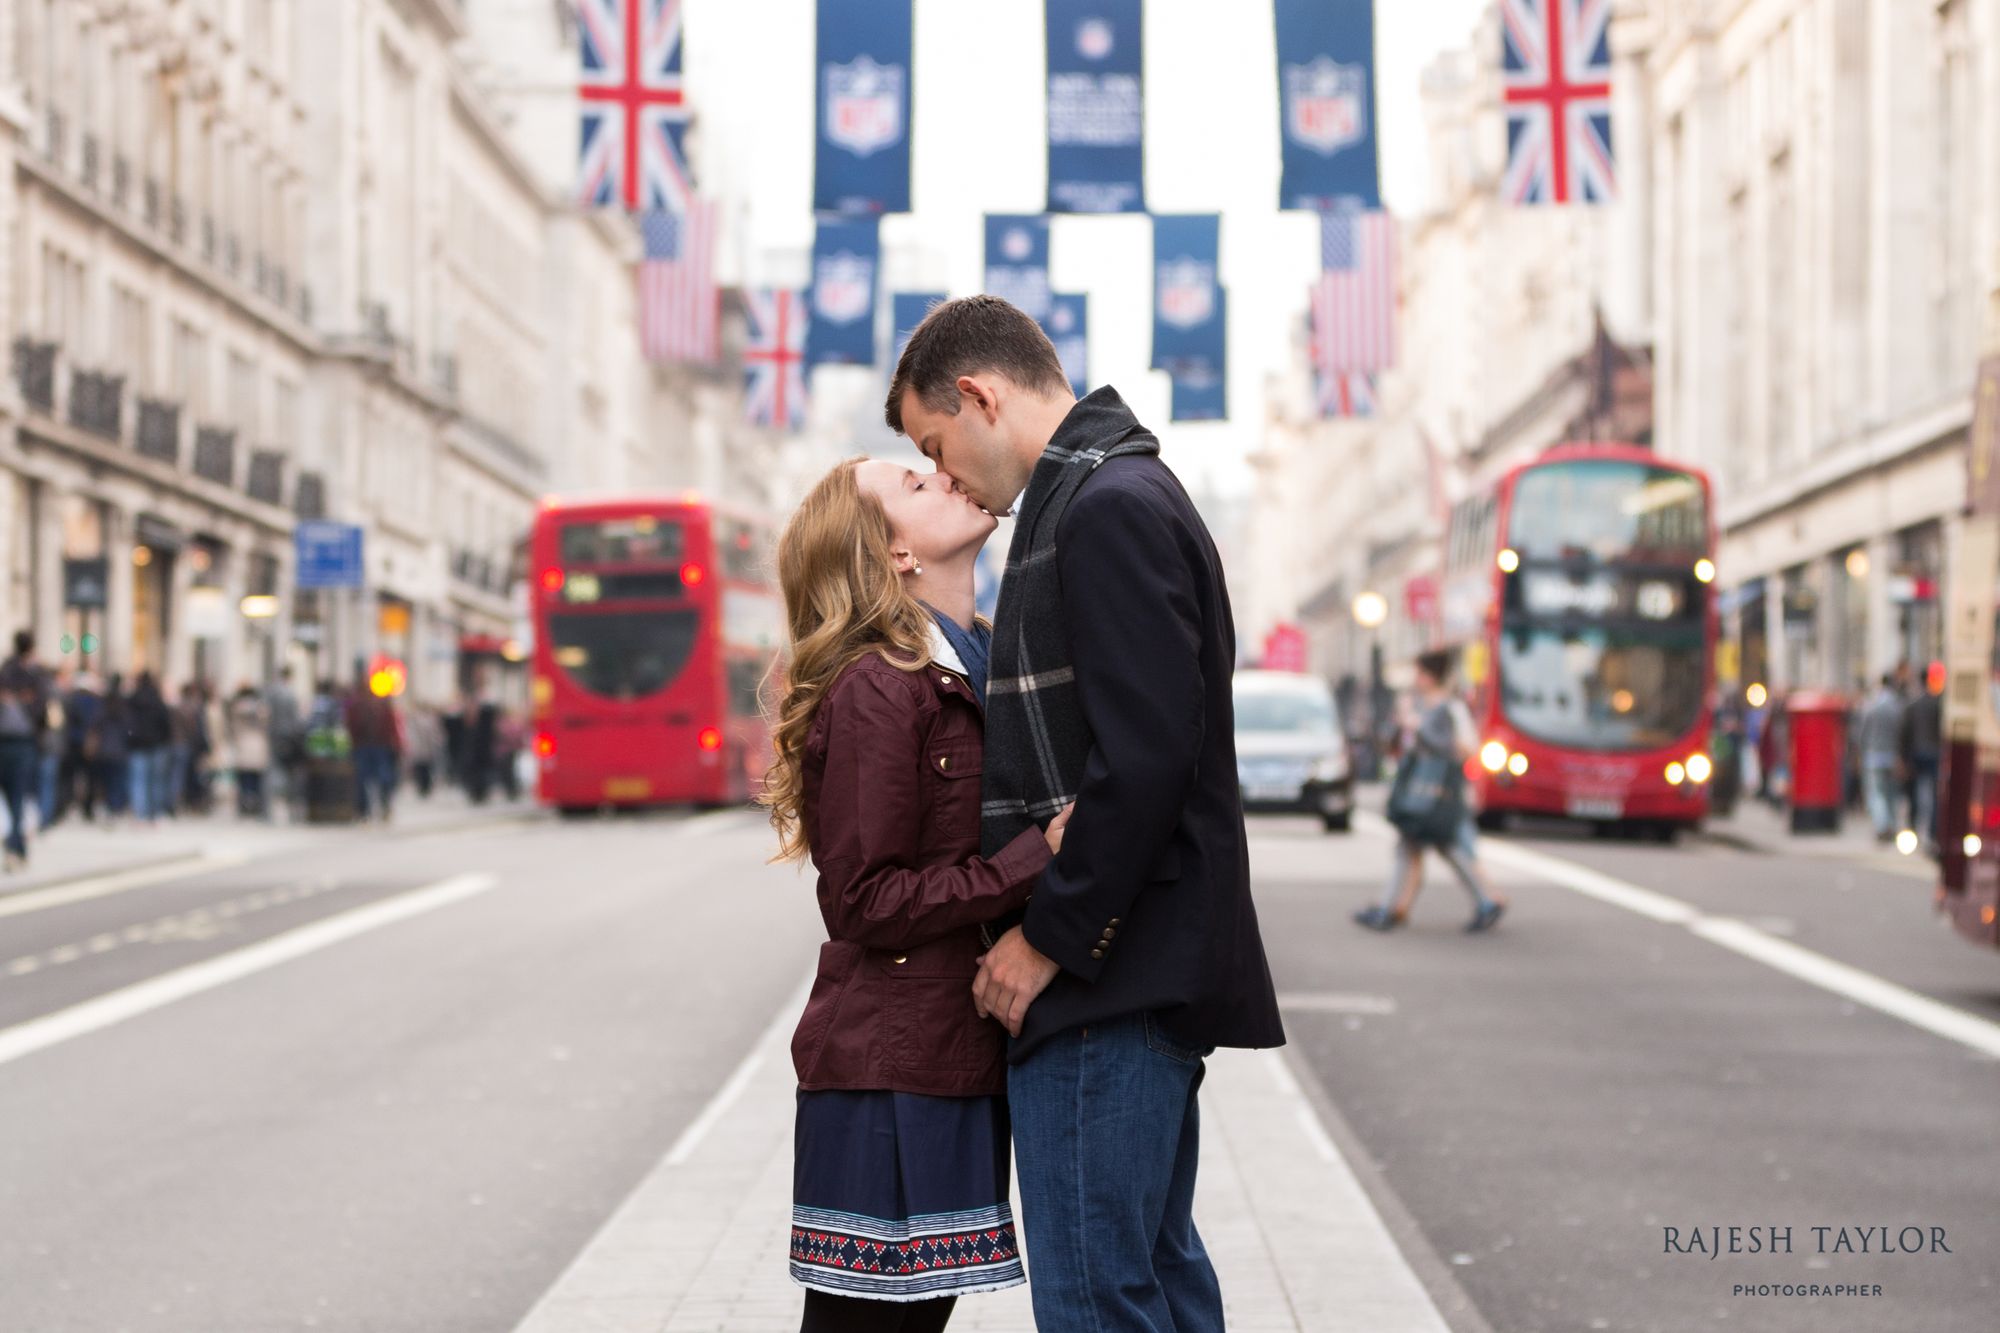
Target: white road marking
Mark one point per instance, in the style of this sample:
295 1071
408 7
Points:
1335 1002
1738 936
156 992
62 894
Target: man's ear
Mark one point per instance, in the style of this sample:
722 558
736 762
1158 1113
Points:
984 395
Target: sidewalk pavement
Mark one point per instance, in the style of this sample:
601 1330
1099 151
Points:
701 1245
75 849
1753 826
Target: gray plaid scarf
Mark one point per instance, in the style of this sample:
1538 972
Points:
1036 739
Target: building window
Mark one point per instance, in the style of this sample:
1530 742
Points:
1781 318
131 337
243 395
191 367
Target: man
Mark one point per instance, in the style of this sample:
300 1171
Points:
1880 731
1139 952
371 725
23 714
1920 743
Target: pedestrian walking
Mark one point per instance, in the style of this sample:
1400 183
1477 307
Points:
149 732
1438 737
1920 744
1880 733
426 741
371 723
901 1135
23 717
247 728
287 733
109 748
81 707
1139 952
52 800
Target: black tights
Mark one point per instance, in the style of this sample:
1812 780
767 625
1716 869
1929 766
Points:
827 1313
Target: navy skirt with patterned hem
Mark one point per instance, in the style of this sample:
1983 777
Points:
897 1196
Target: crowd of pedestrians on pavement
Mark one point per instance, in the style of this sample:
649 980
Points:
1895 743
109 749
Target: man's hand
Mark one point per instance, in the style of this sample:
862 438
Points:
1010 976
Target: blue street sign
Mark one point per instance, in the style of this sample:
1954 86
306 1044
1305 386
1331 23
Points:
329 554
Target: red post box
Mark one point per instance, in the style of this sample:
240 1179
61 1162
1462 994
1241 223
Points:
1818 758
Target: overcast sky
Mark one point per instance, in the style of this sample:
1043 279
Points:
978 147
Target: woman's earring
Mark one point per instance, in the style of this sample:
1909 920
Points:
918 569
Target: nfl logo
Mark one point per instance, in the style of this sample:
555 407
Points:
841 288
1093 39
1187 293
1326 105
864 105
1017 244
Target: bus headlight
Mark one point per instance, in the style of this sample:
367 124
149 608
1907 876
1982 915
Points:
1517 764
1493 756
1676 773
1699 769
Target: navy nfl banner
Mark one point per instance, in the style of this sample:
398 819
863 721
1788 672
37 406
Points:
1068 327
1326 104
1017 260
846 258
1097 107
906 311
862 159
1188 327
1201 393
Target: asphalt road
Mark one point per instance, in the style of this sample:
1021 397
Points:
416 1127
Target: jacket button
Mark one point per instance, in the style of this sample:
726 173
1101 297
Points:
902 958
1097 953
944 761
1109 933
945 681
1114 921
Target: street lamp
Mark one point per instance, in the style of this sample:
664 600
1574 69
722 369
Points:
1370 610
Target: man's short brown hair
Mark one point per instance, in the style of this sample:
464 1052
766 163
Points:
964 337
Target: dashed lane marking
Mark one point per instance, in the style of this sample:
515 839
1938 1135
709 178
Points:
35 900
157 992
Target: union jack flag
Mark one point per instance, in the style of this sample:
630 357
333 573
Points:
1349 395
774 358
1556 70
632 150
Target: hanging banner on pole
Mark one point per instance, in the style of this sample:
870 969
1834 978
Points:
1187 293
862 159
1096 107
632 145
1017 261
1201 390
846 258
1068 327
906 311
1326 104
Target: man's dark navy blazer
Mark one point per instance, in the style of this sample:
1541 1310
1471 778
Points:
1148 908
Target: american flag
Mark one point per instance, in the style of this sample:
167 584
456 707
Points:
678 302
1350 395
1555 66
1354 304
774 357
632 150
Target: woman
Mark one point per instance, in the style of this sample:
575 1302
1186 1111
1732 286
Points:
247 725
901 1144
1443 726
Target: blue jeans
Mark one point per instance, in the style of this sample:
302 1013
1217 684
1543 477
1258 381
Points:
150 771
1879 773
1107 1135
375 772
17 786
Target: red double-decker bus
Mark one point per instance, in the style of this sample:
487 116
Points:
656 622
1580 589
1968 802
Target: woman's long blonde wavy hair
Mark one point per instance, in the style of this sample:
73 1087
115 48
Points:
843 600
